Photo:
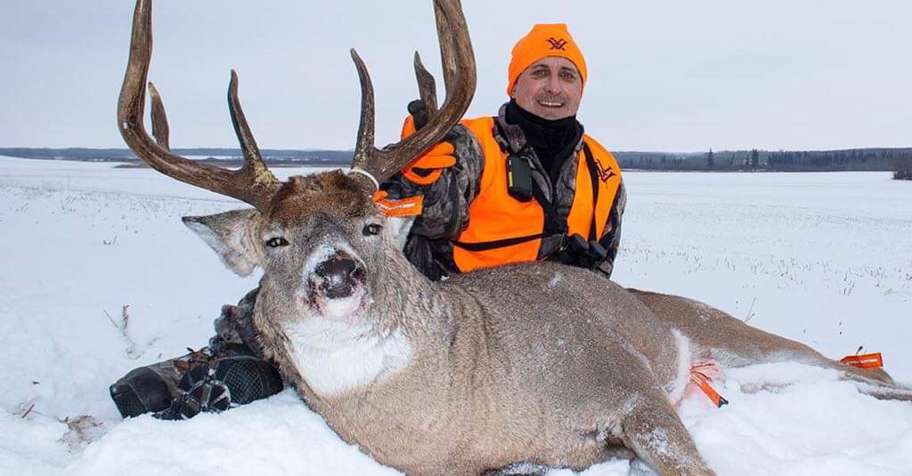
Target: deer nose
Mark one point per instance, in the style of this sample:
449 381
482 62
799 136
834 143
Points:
339 275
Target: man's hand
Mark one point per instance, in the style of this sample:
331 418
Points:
426 169
581 253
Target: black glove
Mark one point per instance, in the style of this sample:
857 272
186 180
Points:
419 113
581 253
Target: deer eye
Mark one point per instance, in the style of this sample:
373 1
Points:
371 229
277 242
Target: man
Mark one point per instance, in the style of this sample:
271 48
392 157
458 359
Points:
526 185
523 186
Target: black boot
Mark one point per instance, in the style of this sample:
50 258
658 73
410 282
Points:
141 391
202 381
154 387
233 377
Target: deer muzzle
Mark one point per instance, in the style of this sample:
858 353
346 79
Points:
337 277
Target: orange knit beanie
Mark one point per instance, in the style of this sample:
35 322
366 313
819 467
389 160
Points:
542 41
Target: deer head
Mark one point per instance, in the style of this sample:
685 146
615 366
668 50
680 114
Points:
324 246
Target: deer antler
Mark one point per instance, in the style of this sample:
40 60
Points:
160 129
459 78
253 183
427 87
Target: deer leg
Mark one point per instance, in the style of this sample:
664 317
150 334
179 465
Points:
863 381
654 432
736 344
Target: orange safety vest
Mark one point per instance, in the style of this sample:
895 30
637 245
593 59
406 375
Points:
504 230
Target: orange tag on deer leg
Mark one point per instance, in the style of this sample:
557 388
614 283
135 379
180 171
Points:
701 374
864 361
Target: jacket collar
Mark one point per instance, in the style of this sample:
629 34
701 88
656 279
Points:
511 138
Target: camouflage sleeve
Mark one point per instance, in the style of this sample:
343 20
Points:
611 238
446 201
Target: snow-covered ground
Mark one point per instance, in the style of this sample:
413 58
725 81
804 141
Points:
822 258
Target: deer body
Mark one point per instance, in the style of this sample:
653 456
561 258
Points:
538 363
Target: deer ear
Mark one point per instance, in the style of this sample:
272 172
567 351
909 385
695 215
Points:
399 228
231 236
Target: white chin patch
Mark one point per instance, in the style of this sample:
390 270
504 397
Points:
336 357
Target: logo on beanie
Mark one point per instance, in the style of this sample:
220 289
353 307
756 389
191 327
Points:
557 44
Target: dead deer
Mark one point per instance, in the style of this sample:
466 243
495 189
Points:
538 363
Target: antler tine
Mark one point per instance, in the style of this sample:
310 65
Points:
365 144
253 160
160 129
427 87
447 61
456 50
243 184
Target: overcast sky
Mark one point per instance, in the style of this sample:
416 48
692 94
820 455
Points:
664 75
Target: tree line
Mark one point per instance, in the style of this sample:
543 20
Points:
902 169
898 160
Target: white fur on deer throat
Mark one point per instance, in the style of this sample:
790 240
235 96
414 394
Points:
334 357
676 387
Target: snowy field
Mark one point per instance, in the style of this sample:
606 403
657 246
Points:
822 258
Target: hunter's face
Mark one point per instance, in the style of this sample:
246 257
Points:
550 88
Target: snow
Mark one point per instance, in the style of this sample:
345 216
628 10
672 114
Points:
822 258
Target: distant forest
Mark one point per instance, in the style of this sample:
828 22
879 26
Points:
781 161
898 160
